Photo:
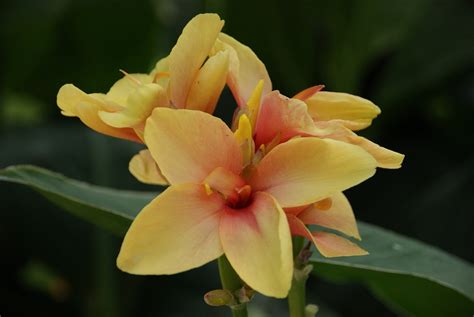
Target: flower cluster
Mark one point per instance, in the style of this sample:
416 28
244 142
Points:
240 191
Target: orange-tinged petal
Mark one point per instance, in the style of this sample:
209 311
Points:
74 102
177 231
385 158
144 168
257 242
190 52
123 87
281 116
328 244
355 112
207 87
338 216
331 245
140 103
245 69
308 92
304 170
295 210
188 145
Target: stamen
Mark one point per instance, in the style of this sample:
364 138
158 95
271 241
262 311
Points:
130 77
244 194
208 189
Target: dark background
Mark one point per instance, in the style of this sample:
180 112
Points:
413 58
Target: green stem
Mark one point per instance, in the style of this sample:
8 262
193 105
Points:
297 294
296 298
231 282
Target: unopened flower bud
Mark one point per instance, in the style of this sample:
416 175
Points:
219 297
311 310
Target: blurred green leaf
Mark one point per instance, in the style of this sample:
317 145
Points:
413 278
110 209
410 276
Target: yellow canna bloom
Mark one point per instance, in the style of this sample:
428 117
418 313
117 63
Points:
188 78
223 199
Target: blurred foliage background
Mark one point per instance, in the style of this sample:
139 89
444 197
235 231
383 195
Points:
413 58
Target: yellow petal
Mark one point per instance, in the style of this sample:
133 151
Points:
338 216
355 112
190 52
140 103
177 231
245 69
385 158
257 242
188 145
304 170
74 102
123 87
328 244
208 85
144 168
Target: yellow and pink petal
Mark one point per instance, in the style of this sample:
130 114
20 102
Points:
176 232
328 244
189 53
354 112
334 213
188 145
145 169
245 69
302 171
257 243
74 102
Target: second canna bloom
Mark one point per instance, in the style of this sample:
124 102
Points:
191 77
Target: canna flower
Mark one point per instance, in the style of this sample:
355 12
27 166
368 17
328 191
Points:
189 78
224 199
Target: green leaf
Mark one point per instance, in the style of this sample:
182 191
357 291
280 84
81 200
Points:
411 277
110 209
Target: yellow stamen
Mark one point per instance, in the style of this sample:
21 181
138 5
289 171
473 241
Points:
208 189
130 77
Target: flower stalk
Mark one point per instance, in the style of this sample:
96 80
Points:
297 294
230 281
